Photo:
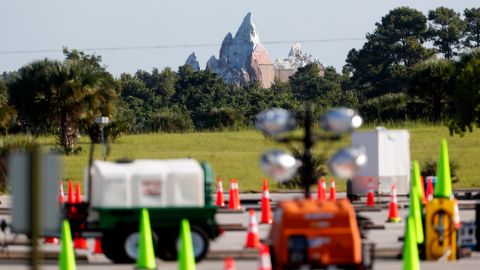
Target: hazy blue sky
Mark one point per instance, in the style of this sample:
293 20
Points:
49 25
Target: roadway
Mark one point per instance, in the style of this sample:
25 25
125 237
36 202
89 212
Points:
231 243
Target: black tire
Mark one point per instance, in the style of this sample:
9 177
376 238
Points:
112 248
116 248
167 246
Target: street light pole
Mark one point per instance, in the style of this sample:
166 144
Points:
307 167
102 121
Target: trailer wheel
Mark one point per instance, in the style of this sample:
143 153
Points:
123 247
168 246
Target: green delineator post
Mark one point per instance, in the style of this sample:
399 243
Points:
415 209
186 257
146 253
443 187
411 260
67 254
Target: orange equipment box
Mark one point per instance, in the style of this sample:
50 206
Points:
318 234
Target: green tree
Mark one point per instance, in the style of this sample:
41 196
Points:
7 113
472 32
62 95
447 29
467 94
433 82
384 62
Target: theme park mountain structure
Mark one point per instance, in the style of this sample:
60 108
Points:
243 59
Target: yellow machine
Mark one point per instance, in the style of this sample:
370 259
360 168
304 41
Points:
441 235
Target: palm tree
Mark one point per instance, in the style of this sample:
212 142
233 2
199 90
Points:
60 95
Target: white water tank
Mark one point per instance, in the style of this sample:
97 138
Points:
146 183
388 154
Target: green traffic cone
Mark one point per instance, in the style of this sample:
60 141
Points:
417 182
411 260
67 254
186 258
443 187
415 213
146 254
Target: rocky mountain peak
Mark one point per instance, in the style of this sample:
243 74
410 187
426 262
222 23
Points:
238 60
247 32
192 61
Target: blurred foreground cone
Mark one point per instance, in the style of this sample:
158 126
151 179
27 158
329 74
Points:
97 247
456 216
422 189
266 209
186 257
415 208
411 260
67 254
429 193
253 239
370 194
146 254
220 201
333 190
443 187
232 201
264 261
393 211
322 190
229 263
237 195
70 198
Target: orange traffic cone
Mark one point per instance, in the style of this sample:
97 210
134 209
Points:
51 240
78 194
232 202
253 239
393 211
266 209
322 190
229 263
79 242
333 190
370 194
97 248
264 261
456 216
237 195
61 194
429 193
220 201
70 198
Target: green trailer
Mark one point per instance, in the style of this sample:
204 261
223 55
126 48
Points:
171 190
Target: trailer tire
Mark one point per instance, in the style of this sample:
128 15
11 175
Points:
121 247
168 245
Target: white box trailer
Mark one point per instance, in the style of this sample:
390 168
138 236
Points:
388 153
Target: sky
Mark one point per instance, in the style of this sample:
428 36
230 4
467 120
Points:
168 31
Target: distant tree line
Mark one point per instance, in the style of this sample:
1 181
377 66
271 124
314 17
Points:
393 77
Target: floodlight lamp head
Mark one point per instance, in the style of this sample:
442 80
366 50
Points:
275 121
279 165
346 162
340 120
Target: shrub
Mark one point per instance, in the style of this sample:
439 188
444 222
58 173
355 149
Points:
430 168
8 145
